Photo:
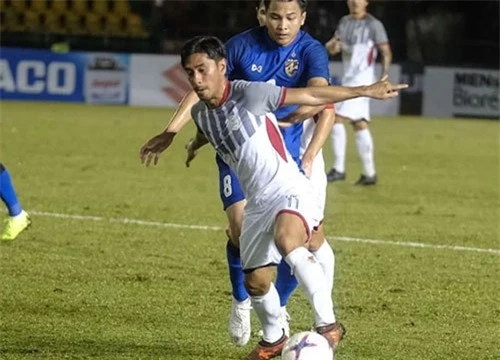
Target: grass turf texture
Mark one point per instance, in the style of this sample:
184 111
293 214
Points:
95 289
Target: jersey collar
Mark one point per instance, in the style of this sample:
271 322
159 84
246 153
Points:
225 94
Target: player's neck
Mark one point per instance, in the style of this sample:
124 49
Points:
220 97
360 15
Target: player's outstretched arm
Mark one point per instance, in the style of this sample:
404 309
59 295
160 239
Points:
313 96
152 149
306 112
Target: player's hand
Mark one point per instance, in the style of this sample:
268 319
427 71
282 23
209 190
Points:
152 149
307 166
334 46
191 153
383 89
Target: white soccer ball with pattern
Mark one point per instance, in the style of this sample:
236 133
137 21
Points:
307 345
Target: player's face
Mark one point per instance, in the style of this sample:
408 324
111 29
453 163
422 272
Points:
283 21
357 7
261 15
206 76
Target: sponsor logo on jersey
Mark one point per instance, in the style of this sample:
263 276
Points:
257 68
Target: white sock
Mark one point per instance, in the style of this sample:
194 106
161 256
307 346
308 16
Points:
268 311
364 143
313 281
326 259
339 143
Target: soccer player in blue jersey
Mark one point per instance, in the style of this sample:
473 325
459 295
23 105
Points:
18 219
236 118
281 53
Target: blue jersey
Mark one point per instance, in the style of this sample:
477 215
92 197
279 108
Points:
254 56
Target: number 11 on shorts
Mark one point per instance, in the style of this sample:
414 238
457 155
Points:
293 201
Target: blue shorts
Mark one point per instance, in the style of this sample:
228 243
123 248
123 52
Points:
229 186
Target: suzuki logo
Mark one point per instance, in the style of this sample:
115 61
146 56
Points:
177 77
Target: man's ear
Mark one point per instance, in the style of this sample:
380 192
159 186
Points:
303 20
222 65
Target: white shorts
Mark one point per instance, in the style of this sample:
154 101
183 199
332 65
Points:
355 109
318 174
257 246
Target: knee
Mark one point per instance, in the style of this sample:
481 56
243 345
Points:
315 243
360 125
317 239
286 243
256 286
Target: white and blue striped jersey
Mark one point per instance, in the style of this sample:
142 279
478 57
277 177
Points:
245 134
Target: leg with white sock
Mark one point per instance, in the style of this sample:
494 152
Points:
313 282
290 237
339 145
323 252
290 232
239 326
364 144
266 303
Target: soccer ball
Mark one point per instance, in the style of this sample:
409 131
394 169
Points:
307 345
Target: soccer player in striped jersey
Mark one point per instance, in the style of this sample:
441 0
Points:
236 118
281 53
359 36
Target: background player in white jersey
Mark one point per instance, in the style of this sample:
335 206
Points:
236 119
358 36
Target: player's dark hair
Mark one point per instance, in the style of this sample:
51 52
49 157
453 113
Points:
208 45
302 4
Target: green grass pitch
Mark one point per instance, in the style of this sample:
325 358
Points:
86 283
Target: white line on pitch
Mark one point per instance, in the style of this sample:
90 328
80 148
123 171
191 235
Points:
219 228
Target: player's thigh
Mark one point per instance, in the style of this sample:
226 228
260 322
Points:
258 281
291 231
297 214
